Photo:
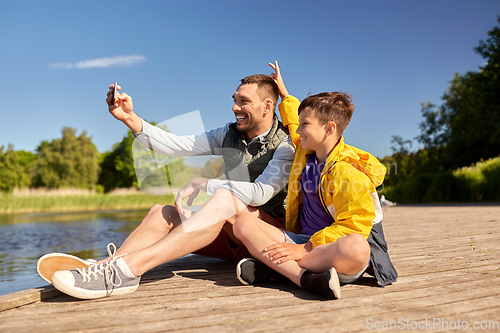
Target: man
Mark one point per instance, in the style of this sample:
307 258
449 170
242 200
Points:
257 143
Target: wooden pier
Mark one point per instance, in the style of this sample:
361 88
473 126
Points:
448 259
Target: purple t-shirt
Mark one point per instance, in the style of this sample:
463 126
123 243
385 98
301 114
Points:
313 216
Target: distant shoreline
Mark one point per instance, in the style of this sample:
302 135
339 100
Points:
54 202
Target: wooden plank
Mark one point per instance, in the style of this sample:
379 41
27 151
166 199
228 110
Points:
447 258
29 296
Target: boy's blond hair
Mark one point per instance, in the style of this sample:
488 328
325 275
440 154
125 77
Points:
330 106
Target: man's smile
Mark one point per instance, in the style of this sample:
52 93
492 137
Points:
241 118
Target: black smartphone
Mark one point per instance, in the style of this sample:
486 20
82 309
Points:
114 93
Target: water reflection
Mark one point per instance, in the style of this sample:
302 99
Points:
26 237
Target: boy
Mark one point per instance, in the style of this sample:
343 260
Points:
332 207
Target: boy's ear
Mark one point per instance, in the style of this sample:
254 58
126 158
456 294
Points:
331 128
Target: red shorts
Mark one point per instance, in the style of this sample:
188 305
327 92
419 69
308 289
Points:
224 248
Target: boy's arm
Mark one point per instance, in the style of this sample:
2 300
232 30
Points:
352 205
279 80
288 107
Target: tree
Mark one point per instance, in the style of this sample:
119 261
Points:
435 129
117 166
15 168
119 171
467 124
67 162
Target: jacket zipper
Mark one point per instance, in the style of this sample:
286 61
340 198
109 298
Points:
321 193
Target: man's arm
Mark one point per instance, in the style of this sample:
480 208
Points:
158 139
272 180
169 144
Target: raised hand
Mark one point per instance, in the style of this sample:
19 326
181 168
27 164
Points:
279 80
122 108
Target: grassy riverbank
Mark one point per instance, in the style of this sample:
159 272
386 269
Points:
10 204
73 201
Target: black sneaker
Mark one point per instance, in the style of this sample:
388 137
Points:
251 271
326 283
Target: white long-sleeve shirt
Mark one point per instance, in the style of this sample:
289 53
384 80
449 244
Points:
272 180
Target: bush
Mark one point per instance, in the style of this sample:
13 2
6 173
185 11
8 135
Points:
443 188
491 186
479 182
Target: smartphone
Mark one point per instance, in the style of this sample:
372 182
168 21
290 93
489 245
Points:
114 93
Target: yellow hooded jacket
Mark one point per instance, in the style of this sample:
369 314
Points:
347 185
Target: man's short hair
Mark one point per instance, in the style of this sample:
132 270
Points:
264 83
330 106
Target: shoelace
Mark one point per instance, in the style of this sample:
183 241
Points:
107 269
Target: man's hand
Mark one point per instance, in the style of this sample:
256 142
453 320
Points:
123 109
279 80
283 252
191 191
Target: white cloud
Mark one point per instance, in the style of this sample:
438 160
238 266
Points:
101 62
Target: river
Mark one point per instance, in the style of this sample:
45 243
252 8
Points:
26 237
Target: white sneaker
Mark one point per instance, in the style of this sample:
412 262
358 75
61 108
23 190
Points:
97 280
50 263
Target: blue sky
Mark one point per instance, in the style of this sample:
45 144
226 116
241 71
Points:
57 59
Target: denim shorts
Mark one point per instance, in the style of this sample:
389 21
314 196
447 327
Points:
293 238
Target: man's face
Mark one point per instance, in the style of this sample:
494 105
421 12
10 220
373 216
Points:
249 109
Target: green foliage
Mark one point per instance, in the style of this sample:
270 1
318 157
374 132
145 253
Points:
67 162
119 171
477 183
74 162
466 127
463 130
15 168
117 166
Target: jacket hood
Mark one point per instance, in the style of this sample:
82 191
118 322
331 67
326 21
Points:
361 160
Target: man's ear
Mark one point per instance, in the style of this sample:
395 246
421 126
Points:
268 106
331 128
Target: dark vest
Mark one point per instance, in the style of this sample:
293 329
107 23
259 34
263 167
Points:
243 162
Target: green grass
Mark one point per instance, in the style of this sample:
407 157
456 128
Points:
30 204
12 204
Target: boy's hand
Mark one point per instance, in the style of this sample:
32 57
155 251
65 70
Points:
283 252
279 80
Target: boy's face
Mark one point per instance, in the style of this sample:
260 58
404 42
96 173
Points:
312 132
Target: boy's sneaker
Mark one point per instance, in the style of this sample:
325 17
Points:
326 283
251 271
50 263
97 280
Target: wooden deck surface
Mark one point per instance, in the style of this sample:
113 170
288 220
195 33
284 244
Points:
448 259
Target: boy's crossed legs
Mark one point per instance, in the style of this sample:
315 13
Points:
348 256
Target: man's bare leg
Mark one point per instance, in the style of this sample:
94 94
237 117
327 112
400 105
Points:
193 234
157 224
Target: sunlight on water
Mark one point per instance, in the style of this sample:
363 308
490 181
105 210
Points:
26 237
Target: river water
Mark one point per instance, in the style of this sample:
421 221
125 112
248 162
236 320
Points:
26 237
